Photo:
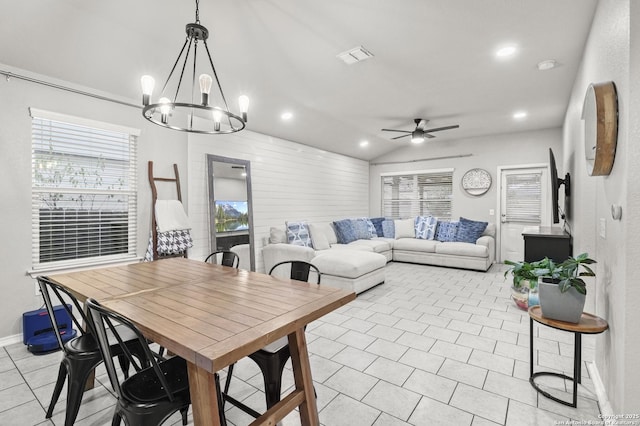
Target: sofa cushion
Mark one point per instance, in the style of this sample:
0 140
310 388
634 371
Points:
469 230
490 230
377 224
319 237
345 231
348 263
415 244
298 234
446 231
362 229
377 245
388 229
404 228
462 249
351 246
277 235
425 227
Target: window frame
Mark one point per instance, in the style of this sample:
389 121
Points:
415 205
125 168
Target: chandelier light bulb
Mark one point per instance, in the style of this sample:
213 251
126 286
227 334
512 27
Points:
243 102
217 116
165 109
205 87
147 82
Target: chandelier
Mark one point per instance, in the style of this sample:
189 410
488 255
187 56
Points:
175 109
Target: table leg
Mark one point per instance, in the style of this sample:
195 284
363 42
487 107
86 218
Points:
302 377
530 348
577 366
204 396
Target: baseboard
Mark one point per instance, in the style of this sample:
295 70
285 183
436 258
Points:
603 401
10 340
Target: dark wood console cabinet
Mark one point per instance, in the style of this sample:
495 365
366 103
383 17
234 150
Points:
225 242
546 241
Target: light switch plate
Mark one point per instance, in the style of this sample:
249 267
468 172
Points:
603 228
492 212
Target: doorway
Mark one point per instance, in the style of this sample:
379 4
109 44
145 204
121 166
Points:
523 202
230 206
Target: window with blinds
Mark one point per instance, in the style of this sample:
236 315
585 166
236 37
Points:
418 194
523 198
83 191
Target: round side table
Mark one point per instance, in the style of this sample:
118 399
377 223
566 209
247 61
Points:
589 324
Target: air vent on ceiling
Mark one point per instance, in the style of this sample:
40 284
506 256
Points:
354 55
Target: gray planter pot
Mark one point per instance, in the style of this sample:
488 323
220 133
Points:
560 306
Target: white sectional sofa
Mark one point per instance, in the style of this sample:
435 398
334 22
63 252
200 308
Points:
359 265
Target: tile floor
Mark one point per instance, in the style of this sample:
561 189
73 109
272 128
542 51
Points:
431 346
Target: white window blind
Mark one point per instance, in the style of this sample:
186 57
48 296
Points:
523 198
83 191
417 194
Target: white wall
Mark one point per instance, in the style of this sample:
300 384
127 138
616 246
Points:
487 153
157 144
290 182
611 53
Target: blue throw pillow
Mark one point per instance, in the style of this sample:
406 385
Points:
362 229
470 230
426 227
377 224
298 234
446 231
345 231
388 229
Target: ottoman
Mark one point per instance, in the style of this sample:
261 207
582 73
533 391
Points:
355 270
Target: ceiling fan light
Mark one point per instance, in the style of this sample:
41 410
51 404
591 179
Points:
417 136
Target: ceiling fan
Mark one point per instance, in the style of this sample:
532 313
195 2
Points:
418 135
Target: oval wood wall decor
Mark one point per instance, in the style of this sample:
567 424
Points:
600 115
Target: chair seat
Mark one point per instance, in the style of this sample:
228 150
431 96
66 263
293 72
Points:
144 386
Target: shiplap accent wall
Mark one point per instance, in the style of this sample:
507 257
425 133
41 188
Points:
290 182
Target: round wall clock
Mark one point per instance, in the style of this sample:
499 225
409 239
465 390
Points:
600 115
476 181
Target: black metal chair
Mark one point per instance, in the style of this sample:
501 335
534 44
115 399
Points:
272 358
81 354
159 388
224 257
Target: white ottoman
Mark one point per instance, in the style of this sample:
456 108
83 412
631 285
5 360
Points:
355 270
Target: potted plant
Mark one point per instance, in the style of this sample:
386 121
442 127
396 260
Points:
562 289
525 282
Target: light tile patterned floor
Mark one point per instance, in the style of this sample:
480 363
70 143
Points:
431 346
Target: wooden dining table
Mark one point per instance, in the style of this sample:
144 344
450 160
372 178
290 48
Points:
212 316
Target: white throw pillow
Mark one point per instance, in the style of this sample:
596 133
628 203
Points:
404 228
318 236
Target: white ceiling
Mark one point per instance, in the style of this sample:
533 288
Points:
433 59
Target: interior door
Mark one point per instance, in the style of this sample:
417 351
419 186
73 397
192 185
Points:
524 201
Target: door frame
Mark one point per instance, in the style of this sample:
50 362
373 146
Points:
499 171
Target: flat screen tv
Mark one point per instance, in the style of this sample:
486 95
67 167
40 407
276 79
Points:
231 216
555 188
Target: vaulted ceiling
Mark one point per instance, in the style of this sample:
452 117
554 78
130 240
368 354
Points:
433 59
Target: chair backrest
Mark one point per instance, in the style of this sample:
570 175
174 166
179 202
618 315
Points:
110 324
299 270
224 257
54 294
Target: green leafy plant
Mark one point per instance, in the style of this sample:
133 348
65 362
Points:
569 273
523 272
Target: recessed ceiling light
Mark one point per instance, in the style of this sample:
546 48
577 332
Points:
506 51
547 65
519 115
287 115
364 143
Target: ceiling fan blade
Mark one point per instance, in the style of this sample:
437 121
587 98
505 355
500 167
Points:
394 130
437 129
403 136
427 135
